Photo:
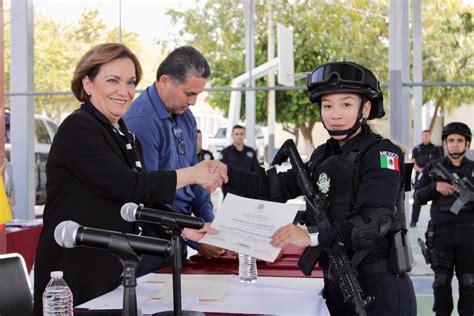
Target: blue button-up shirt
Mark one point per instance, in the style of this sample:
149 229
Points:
149 119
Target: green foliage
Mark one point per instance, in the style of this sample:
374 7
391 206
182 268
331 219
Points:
57 50
217 29
448 51
324 31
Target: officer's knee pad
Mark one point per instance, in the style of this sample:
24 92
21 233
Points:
466 280
442 279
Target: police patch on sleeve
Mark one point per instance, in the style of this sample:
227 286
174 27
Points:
249 154
389 160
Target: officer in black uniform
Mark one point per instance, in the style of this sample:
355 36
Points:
239 155
365 190
450 236
202 153
421 154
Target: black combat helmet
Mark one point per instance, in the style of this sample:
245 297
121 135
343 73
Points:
457 128
346 77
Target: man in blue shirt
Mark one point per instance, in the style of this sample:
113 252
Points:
167 129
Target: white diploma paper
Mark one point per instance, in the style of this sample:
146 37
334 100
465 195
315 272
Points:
246 226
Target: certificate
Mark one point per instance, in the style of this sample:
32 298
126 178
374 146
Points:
246 226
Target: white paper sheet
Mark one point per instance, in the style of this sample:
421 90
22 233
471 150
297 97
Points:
269 296
192 285
247 225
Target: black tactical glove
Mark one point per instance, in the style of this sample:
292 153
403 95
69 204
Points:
337 236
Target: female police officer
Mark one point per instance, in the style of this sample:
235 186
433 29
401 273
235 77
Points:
365 190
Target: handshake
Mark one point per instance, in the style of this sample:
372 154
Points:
210 174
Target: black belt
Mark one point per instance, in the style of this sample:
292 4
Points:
364 270
454 225
369 269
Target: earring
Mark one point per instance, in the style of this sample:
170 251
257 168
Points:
88 93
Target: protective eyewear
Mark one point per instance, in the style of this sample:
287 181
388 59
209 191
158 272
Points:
179 140
346 73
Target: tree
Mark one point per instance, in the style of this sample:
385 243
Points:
58 48
217 29
448 51
325 31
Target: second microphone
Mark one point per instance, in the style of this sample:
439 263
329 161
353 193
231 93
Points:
132 212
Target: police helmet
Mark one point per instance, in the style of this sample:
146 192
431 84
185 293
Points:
346 77
456 128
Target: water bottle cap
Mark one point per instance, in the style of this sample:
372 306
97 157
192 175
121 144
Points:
56 274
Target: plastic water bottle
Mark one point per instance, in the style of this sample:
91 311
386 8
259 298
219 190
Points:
57 297
247 268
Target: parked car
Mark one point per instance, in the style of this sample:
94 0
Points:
45 129
218 142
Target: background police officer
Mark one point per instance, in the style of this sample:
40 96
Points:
202 153
365 192
420 155
450 236
239 155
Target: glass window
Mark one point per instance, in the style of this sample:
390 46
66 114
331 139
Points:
42 135
53 127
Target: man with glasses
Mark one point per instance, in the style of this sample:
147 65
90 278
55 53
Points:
167 129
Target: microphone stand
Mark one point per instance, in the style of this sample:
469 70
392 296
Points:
175 230
121 248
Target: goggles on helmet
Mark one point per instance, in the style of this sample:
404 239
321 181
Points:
347 73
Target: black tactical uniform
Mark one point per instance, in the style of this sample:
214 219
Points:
422 154
450 237
245 159
365 195
205 155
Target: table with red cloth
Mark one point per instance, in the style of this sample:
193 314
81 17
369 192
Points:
24 240
286 265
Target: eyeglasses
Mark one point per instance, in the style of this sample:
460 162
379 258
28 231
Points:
178 137
346 73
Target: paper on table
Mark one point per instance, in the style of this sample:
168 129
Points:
152 306
246 226
193 284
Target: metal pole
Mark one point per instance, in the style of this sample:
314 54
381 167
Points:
271 115
417 70
22 108
249 10
120 23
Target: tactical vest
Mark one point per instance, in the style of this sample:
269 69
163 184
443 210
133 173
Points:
444 203
343 173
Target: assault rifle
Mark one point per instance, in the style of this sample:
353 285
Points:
464 187
346 275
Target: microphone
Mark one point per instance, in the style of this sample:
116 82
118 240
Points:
131 212
69 234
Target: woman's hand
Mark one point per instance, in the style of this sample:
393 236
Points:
290 234
210 174
198 234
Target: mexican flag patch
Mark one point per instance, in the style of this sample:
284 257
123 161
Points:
389 160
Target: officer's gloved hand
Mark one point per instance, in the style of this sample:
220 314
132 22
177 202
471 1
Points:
337 236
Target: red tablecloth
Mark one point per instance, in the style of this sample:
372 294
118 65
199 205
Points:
24 241
286 265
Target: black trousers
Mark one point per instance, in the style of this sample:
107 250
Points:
453 251
394 296
415 212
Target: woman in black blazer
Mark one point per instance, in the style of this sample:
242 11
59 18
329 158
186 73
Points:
94 167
